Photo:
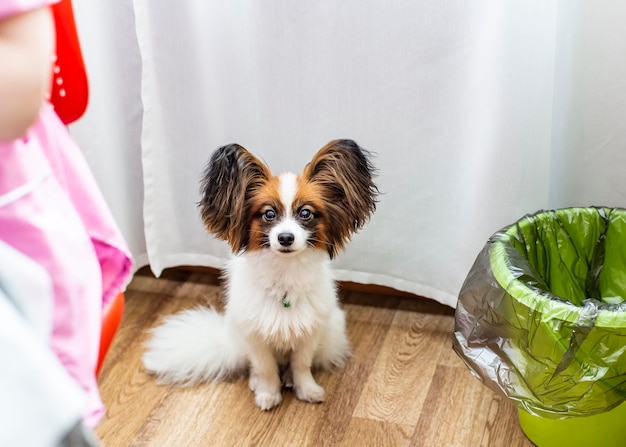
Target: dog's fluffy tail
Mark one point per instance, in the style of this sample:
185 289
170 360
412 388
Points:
195 345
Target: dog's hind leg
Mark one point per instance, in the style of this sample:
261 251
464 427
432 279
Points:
334 348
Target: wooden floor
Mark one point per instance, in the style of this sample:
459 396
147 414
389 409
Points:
404 386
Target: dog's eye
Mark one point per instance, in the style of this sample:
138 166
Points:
305 214
269 215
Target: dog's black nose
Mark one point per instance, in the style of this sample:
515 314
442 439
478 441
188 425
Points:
286 239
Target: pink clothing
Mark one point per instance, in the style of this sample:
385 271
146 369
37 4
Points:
11 7
52 211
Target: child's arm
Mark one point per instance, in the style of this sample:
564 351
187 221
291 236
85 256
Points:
26 49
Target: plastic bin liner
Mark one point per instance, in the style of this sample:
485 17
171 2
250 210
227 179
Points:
541 317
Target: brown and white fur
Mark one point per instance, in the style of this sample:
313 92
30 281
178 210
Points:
282 311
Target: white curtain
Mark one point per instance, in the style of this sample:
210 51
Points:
479 112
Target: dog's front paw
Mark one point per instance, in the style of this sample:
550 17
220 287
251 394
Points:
267 401
311 392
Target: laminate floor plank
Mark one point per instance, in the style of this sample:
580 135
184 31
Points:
458 412
396 390
367 432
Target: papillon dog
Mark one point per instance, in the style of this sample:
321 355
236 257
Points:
282 317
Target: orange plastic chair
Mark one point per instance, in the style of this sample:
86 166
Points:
69 96
111 319
70 90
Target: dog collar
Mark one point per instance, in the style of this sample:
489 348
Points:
285 301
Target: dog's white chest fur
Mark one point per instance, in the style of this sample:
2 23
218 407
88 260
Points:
280 299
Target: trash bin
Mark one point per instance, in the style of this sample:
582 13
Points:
541 319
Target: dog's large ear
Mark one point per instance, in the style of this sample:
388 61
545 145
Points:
345 174
231 177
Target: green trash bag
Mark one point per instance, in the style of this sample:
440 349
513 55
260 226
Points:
541 317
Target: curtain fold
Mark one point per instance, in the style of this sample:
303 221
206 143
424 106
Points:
478 113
